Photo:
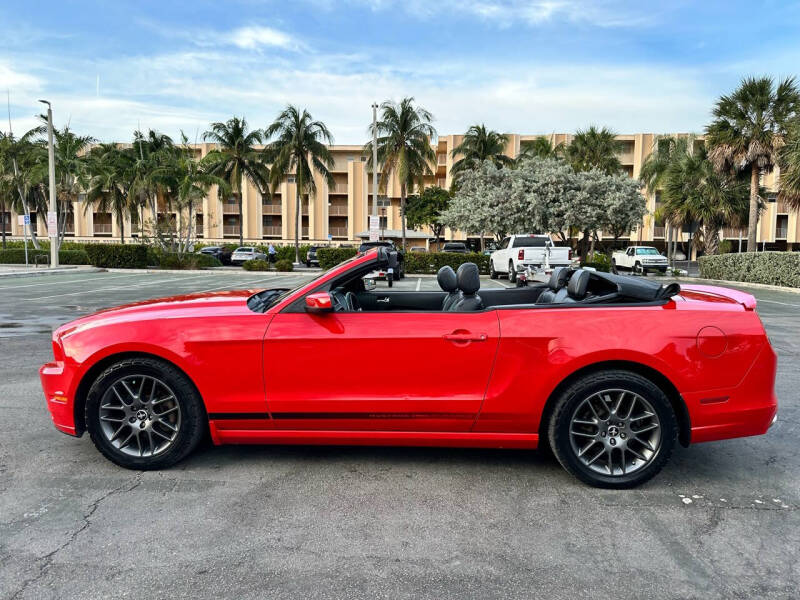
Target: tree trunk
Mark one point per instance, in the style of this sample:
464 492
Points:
752 224
712 240
121 223
403 213
3 221
297 221
241 220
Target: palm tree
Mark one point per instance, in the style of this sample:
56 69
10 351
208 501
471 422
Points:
111 173
480 144
28 167
594 148
404 133
71 172
299 147
540 147
789 161
236 158
748 129
150 152
695 192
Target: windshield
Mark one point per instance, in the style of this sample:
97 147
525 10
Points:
648 251
529 241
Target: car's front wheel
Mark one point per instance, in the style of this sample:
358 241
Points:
613 429
144 413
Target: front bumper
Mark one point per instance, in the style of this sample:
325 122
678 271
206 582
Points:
56 383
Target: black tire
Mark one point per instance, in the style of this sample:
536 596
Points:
614 267
308 264
512 273
192 426
390 280
638 270
492 273
574 396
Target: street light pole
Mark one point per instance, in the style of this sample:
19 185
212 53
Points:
51 159
374 159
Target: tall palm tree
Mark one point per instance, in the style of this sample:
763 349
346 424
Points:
110 182
404 134
300 147
150 152
748 129
540 147
71 161
789 161
480 144
594 148
695 192
236 158
27 157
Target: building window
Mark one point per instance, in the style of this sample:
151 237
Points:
781 227
6 221
198 225
102 223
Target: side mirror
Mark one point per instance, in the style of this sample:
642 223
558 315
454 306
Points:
319 302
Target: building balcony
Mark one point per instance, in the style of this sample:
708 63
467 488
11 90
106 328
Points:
658 231
102 228
730 232
337 210
230 208
230 230
271 209
338 188
338 232
271 231
441 160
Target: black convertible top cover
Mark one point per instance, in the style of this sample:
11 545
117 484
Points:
639 288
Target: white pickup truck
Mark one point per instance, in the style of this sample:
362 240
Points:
516 253
639 259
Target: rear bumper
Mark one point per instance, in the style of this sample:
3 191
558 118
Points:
747 409
56 383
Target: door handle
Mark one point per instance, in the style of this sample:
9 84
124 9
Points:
465 337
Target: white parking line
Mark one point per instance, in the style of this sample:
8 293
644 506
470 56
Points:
500 283
776 302
419 283
109 289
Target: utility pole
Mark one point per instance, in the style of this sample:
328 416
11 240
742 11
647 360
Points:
374 159
52 215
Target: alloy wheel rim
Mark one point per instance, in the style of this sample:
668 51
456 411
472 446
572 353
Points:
140 415
615 432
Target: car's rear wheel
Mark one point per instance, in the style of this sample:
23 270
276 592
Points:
512 273
143 413
613 429
492 273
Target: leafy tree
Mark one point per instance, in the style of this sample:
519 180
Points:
110 171
748 129
594 148
236 158
789 161
150 153
404 133
27 166
300 147
540 147
72 176
480 144
425 209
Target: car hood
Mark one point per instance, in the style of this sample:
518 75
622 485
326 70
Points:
187 305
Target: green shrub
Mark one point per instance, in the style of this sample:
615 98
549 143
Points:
773 268
599 261
256 265
284 265
168 260
330 257
118 256
16 256
431 262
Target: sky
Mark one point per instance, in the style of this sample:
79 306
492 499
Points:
532 67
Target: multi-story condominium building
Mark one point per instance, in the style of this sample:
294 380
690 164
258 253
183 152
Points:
338 213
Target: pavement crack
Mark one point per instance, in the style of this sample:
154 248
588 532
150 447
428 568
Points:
47 560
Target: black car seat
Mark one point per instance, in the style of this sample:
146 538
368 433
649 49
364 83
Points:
578 286
449 283
469 282
558 280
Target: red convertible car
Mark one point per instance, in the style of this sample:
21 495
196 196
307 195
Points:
610 372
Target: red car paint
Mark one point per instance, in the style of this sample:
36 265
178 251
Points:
467 379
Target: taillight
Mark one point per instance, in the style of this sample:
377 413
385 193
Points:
521 254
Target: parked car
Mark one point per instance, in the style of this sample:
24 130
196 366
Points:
400 271
455 248
245 253
639 259
516 253
418 249
311 257
566 363
218 252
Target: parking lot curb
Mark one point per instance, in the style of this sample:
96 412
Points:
56 271
760 286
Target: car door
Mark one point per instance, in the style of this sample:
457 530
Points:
401 371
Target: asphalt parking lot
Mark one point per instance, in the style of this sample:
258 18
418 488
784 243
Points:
721 520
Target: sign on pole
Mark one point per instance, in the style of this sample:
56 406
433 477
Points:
374 228
52 223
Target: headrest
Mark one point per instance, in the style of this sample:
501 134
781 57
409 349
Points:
469 278
447 279
578 284
558 278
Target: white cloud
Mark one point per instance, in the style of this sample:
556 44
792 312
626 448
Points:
16 81
257 36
